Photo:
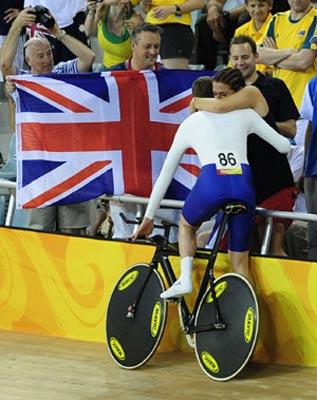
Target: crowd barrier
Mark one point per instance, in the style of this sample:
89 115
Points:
142 201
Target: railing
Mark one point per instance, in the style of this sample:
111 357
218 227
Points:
142 201
268 214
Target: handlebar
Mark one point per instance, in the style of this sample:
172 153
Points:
165 225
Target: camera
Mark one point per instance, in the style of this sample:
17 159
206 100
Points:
44 17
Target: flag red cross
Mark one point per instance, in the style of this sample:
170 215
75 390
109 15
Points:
135 135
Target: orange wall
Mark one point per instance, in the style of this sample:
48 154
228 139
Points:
59 285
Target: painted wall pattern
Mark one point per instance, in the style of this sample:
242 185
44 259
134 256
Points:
59 285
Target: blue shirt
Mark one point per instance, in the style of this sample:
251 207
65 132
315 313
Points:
64 67
308 111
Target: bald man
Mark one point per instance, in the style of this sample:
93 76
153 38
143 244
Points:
73 218
38 51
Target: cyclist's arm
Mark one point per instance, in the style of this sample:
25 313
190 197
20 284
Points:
262 129
248 97
170 165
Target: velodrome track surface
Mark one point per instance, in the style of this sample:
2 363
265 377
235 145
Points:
41 367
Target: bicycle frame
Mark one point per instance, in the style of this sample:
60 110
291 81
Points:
161 258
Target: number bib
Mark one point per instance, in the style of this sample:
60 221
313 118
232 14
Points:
227 164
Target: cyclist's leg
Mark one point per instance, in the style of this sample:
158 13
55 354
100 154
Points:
240 263
187 249
187 242
239 227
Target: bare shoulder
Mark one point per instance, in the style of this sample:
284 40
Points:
251 90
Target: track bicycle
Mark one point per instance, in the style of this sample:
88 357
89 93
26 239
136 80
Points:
223 323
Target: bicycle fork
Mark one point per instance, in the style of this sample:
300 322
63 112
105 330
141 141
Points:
132 308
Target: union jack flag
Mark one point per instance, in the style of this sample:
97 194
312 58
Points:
81 136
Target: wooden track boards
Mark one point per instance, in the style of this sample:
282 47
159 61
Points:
40 367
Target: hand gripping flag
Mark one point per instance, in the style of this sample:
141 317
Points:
81 136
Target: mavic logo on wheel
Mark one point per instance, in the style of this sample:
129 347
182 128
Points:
128 280
117 348
248 324
156 319
219 289
209 362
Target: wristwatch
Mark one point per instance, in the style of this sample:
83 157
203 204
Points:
178 11
60 35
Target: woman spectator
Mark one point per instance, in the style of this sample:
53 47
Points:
175 20
112 21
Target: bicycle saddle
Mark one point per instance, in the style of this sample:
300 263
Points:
234 208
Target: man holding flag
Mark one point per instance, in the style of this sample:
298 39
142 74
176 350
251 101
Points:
73 218
146 41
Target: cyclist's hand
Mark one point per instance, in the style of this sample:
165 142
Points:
192 106
144 229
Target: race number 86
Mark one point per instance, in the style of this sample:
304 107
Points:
227 159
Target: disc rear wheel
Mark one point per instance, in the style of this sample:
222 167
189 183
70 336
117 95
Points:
222 354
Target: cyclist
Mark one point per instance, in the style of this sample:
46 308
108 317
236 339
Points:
220 143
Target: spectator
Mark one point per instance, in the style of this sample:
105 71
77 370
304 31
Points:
9 9
72 218
145 46
112 21
259 12
290 46
308 111
243 55
177 38
215 29
145 50
70 16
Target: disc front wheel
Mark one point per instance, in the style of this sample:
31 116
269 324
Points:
132 341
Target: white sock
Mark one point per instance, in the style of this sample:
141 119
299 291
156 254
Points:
186 271
183 284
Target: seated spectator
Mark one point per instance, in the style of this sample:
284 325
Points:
291 48
70 16
215 29
112 21
72 218
259 12
177 38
